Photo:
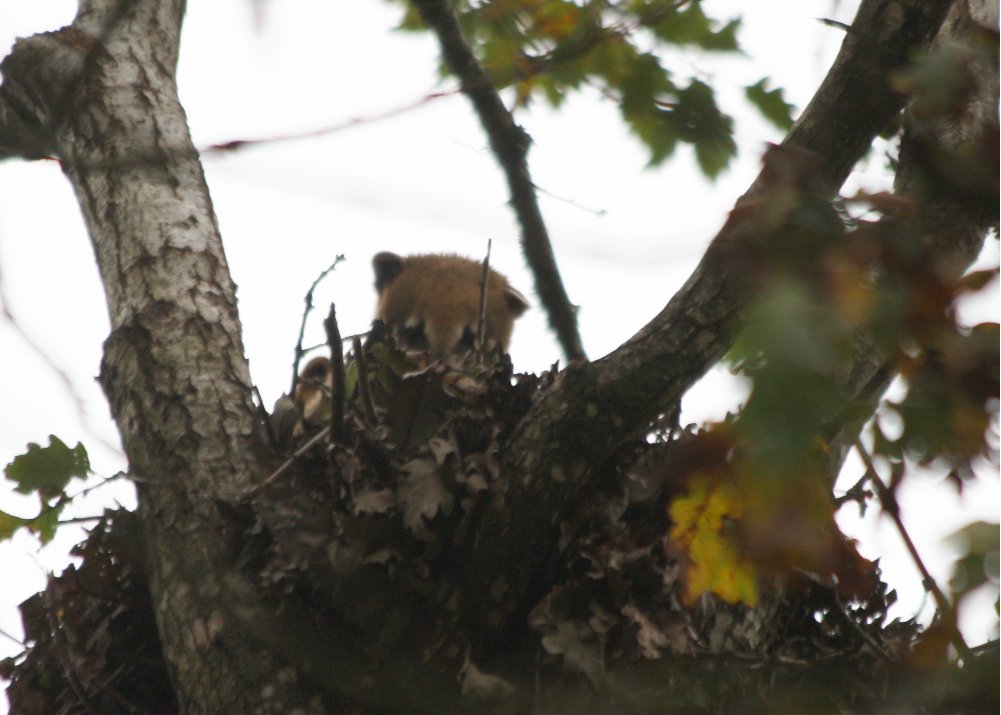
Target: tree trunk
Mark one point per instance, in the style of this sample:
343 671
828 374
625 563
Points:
100 96
102 99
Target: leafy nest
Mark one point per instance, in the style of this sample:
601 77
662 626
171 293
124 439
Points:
372 530
91 635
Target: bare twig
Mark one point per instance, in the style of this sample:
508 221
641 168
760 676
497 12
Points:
888 501
62 646
836 24
509 143
571 202
363 386
308 298
337 374
46 359
344 339
262 413
104 482
314 440
8 148
81 519
876 645
481 318
105 688
857 493
236 144
8 636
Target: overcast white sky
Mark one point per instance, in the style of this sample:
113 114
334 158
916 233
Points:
626 237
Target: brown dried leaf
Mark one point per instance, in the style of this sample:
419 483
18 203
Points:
482 685
371 501
580 649
650 638
422 495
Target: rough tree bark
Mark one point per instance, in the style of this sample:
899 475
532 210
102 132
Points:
100 96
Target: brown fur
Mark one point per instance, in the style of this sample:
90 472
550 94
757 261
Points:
432 302
313 388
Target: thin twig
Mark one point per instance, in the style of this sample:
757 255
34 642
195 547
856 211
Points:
236 144
837 24
46 359
80 519
7 635
315 439
859 629
106 688
62 646
263 414
856 493
571 202
344 339
337 375
308 298
140 159
509 144
481 318
366 393
104 481
888 501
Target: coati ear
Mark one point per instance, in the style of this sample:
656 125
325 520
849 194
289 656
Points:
516 302
387 267
316 371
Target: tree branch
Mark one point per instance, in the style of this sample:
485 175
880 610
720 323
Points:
337 375
308 300
101 95
509 143
888 503
592 408
954 228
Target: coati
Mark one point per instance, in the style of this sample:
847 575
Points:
314 385
431 303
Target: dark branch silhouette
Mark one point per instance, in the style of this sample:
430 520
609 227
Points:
597 406
509 143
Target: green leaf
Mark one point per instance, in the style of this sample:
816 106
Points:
770 103
9 524
977 544
411 20
724 39
44 525
699 121
686 26
47 470
643 82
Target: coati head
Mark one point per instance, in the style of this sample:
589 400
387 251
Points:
432 302
314 384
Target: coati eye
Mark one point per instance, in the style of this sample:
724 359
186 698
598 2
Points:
413 337
316 370
467 342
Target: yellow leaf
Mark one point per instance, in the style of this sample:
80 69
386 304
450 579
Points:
713 564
